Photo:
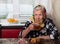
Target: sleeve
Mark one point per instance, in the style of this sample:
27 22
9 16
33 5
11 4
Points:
26 25
53 30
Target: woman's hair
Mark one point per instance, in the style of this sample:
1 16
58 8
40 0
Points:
40 7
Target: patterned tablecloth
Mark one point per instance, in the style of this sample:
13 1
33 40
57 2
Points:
19 41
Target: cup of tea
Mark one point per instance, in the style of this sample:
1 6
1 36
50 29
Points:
36 26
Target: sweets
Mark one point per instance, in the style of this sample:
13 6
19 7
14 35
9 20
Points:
11 20
34 40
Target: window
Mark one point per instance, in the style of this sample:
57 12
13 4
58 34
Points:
26 10
21 9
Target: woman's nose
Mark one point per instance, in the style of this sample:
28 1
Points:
38 17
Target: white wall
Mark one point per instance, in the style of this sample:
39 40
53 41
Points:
56 14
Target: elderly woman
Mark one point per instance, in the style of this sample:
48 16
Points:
39 26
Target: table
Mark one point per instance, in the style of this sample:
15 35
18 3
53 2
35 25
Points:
17 40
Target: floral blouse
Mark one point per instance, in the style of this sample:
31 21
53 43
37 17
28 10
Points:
48 29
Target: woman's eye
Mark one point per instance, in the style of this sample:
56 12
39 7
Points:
35 14
39 14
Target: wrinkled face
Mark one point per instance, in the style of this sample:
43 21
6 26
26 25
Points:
38 16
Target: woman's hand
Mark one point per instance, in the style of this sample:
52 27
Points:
22 41
31 27
27 30
34 26
44 37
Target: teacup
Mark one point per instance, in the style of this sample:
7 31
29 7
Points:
36 26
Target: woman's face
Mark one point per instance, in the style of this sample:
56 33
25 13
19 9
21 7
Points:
38 16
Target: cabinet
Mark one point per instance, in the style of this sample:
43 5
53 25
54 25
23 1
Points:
10 31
